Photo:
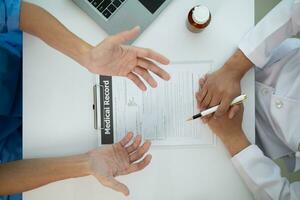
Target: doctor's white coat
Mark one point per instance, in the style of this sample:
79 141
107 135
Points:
277 61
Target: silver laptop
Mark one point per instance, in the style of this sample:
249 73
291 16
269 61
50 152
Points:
115 16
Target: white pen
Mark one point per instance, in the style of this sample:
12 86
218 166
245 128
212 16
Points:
211 110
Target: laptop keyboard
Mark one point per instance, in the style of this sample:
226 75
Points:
106 7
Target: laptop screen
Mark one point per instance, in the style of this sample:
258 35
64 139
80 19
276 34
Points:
152 5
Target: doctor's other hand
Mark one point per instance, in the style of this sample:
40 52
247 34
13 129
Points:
112 58
230 130
223 85
105 163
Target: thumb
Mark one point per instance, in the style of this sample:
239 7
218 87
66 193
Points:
233 111
112 183
201 82
127 35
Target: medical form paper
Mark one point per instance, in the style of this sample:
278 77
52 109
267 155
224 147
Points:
159 114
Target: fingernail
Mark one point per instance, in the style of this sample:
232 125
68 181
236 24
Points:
168 77
154 84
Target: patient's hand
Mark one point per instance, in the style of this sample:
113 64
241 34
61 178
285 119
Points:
223 85
112 58
119 159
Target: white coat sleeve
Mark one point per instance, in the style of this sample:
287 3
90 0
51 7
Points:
279 24
262 176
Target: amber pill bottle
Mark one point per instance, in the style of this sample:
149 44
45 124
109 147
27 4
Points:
198 19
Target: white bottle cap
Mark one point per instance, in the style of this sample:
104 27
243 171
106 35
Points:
201 14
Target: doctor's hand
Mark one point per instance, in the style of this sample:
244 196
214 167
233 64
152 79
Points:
112 58
223 85
230 130
106 163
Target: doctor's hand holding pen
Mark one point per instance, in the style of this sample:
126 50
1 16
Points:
229 129
223 85
111 57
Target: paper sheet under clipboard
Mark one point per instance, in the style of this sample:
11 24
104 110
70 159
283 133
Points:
159 114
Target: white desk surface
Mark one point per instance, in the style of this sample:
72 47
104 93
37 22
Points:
58 119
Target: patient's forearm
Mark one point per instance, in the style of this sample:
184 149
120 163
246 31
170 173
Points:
25 175
37 21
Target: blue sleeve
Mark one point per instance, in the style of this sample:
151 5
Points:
9 15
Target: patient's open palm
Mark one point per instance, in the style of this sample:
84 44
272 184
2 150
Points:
119 159
112 58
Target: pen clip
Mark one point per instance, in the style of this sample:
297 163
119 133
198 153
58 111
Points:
96 107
